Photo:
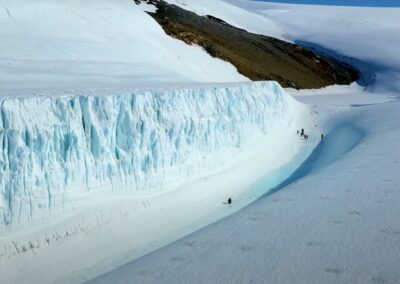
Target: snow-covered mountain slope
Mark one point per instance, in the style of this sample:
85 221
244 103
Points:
233 15
55 150
75 44
255 56
367 35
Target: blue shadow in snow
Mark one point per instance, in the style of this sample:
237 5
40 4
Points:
337 143
366 71
352 3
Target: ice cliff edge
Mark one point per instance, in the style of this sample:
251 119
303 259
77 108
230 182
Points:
54 150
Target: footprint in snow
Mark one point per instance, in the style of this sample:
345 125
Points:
191 244
390 232
177 258
336 271
314 244
145 273
246 248
355 213
378 279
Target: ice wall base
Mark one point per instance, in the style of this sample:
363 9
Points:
57 148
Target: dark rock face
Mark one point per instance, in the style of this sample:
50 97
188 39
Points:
255 56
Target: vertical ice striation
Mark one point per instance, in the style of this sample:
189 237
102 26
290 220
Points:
57 148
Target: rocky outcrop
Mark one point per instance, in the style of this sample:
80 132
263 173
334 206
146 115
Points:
257 57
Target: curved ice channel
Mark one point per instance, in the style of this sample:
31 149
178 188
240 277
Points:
342 139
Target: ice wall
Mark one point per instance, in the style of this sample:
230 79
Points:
57 149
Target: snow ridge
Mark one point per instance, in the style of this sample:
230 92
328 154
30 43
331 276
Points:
56 150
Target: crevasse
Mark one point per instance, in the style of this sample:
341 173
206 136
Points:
57 148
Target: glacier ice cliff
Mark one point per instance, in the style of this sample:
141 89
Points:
55 149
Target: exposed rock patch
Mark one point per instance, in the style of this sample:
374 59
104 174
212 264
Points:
255 56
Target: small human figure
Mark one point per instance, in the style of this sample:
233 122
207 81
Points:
322 136
302 132
229 200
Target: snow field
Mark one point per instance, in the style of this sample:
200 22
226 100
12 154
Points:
95 44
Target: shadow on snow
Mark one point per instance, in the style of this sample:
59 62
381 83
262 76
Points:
337 143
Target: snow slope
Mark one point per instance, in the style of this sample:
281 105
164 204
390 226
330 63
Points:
93 44
233 15
366 37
